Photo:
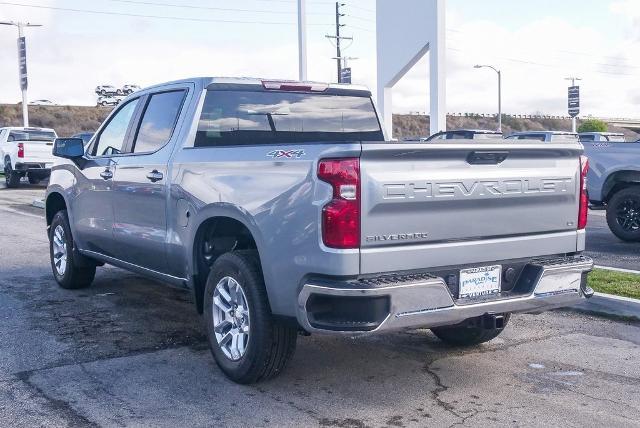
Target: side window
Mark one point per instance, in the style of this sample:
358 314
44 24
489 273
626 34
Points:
158 121
112 138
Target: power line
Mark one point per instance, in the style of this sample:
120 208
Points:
225 9
136 15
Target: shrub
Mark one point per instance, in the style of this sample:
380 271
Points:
593 125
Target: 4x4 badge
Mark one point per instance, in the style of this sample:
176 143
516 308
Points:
286 154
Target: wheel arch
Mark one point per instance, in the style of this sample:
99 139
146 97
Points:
230 230
54 202
619 180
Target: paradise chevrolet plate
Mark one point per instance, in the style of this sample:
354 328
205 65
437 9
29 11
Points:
480 281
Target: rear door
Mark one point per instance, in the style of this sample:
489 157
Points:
455 203
140 183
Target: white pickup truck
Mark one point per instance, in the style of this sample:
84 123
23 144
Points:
26 152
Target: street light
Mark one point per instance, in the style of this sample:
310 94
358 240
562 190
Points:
499 92
22 64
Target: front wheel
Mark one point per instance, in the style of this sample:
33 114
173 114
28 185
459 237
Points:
471 332
623 214
66 269
248 344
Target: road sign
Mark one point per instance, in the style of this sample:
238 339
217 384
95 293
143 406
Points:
22 54
345 75
574 100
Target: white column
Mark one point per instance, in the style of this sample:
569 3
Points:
438 72
302 40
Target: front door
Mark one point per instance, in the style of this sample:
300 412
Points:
140 184
93 205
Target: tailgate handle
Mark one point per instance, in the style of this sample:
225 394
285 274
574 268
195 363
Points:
487 157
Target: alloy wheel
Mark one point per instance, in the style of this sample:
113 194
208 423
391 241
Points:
628 215
60 250
231 323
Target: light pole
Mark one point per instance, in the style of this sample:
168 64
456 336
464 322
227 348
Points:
302 40
499 92
22 64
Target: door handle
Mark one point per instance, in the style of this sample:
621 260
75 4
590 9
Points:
106 174
155 175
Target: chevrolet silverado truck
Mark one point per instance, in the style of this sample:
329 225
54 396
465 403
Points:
26 152
285 211
614 185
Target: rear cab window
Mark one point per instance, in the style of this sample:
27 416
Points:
31 136
237 117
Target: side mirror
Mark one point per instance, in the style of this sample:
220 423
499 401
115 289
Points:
68 148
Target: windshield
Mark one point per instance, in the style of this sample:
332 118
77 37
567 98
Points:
256 117
31 136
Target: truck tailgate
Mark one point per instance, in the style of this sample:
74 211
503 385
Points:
428 205
38 151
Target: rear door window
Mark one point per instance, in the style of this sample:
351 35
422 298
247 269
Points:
272 117
158 121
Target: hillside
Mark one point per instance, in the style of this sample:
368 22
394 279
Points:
69 120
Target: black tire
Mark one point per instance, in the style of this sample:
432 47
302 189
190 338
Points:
468 334
270 344
103 92
73 276
623 214
33 179
12 178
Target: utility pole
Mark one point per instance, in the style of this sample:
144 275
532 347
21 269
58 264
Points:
338 39
574 116
22 64
302 40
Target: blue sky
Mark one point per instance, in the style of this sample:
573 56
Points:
535 43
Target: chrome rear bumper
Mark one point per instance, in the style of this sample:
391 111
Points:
423 301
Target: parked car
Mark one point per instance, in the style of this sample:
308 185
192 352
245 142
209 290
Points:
613 183
85 136
129 89
617 137
546 136
284 210
108 101
105 90
464 134
26 152
42 103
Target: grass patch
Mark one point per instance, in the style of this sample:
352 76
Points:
618 283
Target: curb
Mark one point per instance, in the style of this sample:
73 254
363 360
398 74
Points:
38 203
610 305
615 269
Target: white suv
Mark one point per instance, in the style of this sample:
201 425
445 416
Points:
105 90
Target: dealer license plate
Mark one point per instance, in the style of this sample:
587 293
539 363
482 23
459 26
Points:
480 281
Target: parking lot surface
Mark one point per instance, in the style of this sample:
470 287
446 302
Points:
131 352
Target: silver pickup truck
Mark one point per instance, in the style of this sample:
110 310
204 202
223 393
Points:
283 208
614 184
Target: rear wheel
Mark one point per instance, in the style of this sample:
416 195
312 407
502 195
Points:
67 271
248 344
623 214
12 178
470 333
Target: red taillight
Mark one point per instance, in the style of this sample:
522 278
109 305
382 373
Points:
584 198
20 150
341 216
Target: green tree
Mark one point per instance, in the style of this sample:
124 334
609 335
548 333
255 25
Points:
593 125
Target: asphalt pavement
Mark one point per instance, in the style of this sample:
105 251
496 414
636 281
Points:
131 352
606 249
